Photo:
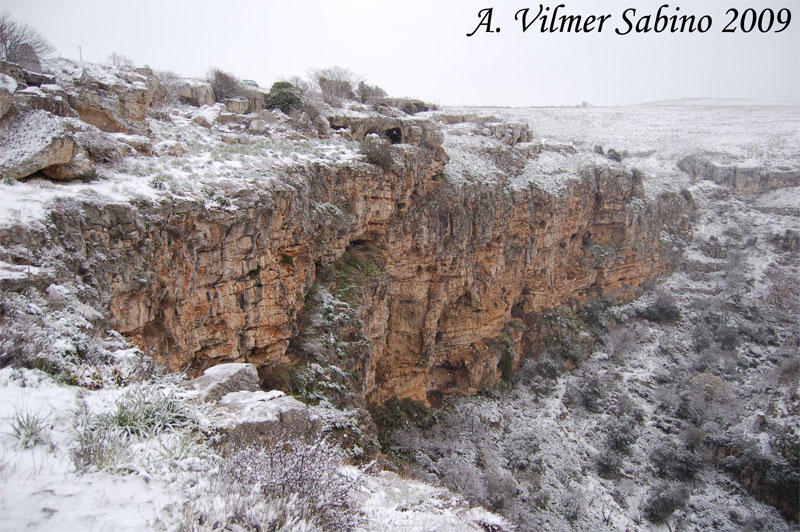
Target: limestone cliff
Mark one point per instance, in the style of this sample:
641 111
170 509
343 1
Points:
470 224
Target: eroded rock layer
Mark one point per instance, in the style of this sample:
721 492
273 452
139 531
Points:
460 257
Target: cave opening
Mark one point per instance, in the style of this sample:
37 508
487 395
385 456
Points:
395 135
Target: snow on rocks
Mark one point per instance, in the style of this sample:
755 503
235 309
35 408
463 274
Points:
7 88
207 115
32 141
394 504
220 380
251 416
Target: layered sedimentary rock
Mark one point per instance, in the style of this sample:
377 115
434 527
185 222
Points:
506 228
741 178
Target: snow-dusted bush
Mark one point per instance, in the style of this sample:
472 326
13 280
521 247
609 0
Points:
225 85
663 310
378 152
284 484
170 84
663 501
621 434
609 463
675 461
97 444
282 95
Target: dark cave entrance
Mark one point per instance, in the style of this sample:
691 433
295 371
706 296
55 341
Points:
395 135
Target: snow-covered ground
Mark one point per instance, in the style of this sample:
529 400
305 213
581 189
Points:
653 138
584 449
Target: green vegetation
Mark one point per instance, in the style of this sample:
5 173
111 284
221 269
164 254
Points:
396 414
283 95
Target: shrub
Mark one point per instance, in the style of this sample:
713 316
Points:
284 484
378 152
663 310
283 95
286 468
506 364
675 461
335 83
225 85
170 84
367 93
664 501
614 155
146 410
620 435
609 464
592 394
98 444
398 413
726 336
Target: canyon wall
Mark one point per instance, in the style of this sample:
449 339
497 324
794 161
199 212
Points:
196 284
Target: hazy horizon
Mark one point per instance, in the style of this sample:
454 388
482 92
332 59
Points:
420 50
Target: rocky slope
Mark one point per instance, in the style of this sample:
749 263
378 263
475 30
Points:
508 227
359 254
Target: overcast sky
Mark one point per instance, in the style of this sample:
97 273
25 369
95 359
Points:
419 48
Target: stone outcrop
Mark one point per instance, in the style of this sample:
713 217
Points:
458 257
218 381
32 141
416 132
197 287
7 88
195 92
740 179
80 166
253 417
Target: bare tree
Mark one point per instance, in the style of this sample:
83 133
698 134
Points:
120 61
225 85
20 43
336 84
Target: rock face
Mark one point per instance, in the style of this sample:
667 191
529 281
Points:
198 287
740 179
462 249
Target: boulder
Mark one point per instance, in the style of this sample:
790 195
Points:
170 147
236 105
7 88
250 417
220 380
207 115
511 132
140 143
102 147
256 101
195 92
259 127
31 141
113 101
13 70
35 98
79 167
